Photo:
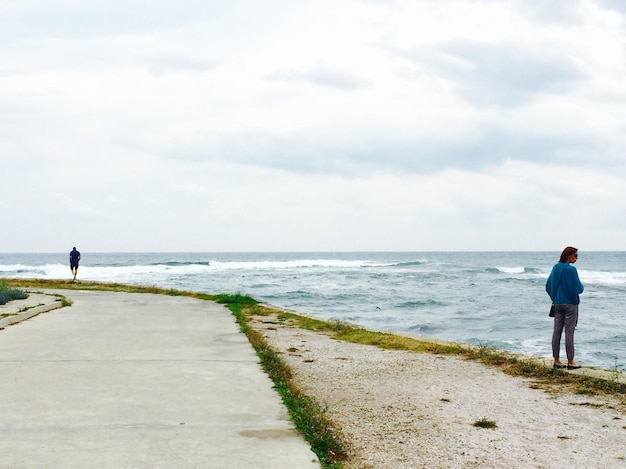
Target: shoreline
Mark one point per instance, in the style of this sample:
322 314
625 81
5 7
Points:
402 409
585 370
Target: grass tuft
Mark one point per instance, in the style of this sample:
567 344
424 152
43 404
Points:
485 423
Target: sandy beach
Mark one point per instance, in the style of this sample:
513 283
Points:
401 409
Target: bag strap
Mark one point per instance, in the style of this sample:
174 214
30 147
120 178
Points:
559 283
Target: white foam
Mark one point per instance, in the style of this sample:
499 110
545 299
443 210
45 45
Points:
292 264
602 277
511 270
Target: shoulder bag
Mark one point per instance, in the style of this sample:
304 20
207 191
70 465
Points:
551 313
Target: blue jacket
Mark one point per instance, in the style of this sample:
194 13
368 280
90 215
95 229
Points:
563 284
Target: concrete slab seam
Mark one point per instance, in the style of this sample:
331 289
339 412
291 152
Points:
29 313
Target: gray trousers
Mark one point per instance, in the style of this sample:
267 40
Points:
565 317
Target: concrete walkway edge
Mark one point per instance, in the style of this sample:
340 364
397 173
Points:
28 313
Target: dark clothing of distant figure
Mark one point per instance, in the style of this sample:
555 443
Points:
564 286
74 258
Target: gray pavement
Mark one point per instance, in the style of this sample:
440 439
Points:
122 380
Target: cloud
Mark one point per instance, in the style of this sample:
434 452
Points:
555 12
324 76
32 19
501 74
616 5
163 64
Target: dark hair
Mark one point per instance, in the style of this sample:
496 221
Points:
568 251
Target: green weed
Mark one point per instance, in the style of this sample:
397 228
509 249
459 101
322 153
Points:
485 423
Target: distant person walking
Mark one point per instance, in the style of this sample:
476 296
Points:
74 258
564 286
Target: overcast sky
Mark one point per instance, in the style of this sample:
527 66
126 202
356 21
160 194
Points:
297 125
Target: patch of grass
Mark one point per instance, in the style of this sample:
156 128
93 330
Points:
485 423
26 308
64 300
8 293
350 333
236 300
103 286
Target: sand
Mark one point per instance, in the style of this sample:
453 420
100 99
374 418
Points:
401 409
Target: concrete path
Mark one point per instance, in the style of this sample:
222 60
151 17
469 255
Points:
123 380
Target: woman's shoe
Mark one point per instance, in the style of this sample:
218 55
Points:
573 367
559 365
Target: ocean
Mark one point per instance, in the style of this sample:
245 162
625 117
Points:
495 299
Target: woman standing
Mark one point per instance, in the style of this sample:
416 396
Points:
564 286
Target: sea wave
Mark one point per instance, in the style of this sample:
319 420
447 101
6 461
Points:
423 329
293 264
181 264
506 270
510 270
602 277
34 271
418 304
408 263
